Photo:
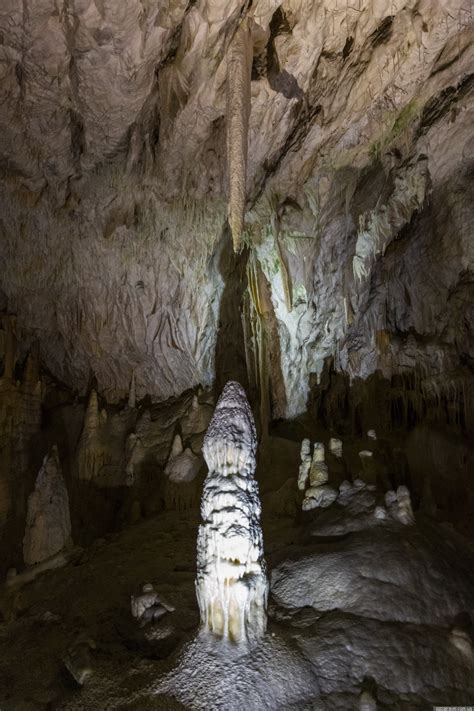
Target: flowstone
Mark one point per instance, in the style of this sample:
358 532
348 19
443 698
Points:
231 582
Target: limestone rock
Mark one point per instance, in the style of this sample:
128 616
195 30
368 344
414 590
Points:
48 523
305 465
319 497
91 455
147 606
367 702
183 467
231 582
393 86
399 505
77 660
461 639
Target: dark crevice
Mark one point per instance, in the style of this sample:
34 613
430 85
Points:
77 137
266 63
279 24
443 103
300 130
347 49
19 75
285 83
175 40
383 32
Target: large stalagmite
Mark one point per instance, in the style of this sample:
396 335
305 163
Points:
231 582
48 523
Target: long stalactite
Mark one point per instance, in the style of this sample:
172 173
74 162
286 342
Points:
239 67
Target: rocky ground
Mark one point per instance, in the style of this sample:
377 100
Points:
361 608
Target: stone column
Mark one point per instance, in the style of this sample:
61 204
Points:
231 584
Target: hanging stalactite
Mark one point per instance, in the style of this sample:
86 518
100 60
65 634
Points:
239 67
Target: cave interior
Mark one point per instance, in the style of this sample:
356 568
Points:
236 355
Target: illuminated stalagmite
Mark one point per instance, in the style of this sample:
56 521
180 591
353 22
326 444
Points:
231 582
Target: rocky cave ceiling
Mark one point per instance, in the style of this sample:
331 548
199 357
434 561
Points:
115 251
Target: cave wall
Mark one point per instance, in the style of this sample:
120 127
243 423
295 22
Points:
113 191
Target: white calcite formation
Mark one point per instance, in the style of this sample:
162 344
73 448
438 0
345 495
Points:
319 497
305 465
318 474
48 522
319 494
231 582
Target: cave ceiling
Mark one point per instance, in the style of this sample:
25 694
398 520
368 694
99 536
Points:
113 239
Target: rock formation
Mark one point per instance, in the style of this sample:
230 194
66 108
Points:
182 487
77 660
318 494
335 447
183 467
358 157
271 192
305 465
48 522
239 67
91 457
231 582
399 506
147 606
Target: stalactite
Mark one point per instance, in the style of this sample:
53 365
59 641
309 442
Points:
239 67
257 321
91 456
285 274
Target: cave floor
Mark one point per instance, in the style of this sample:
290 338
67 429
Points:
354 605
89 599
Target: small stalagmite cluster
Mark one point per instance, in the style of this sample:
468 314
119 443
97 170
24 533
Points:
231 582
318 494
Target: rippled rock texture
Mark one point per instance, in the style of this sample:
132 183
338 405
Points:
359 205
